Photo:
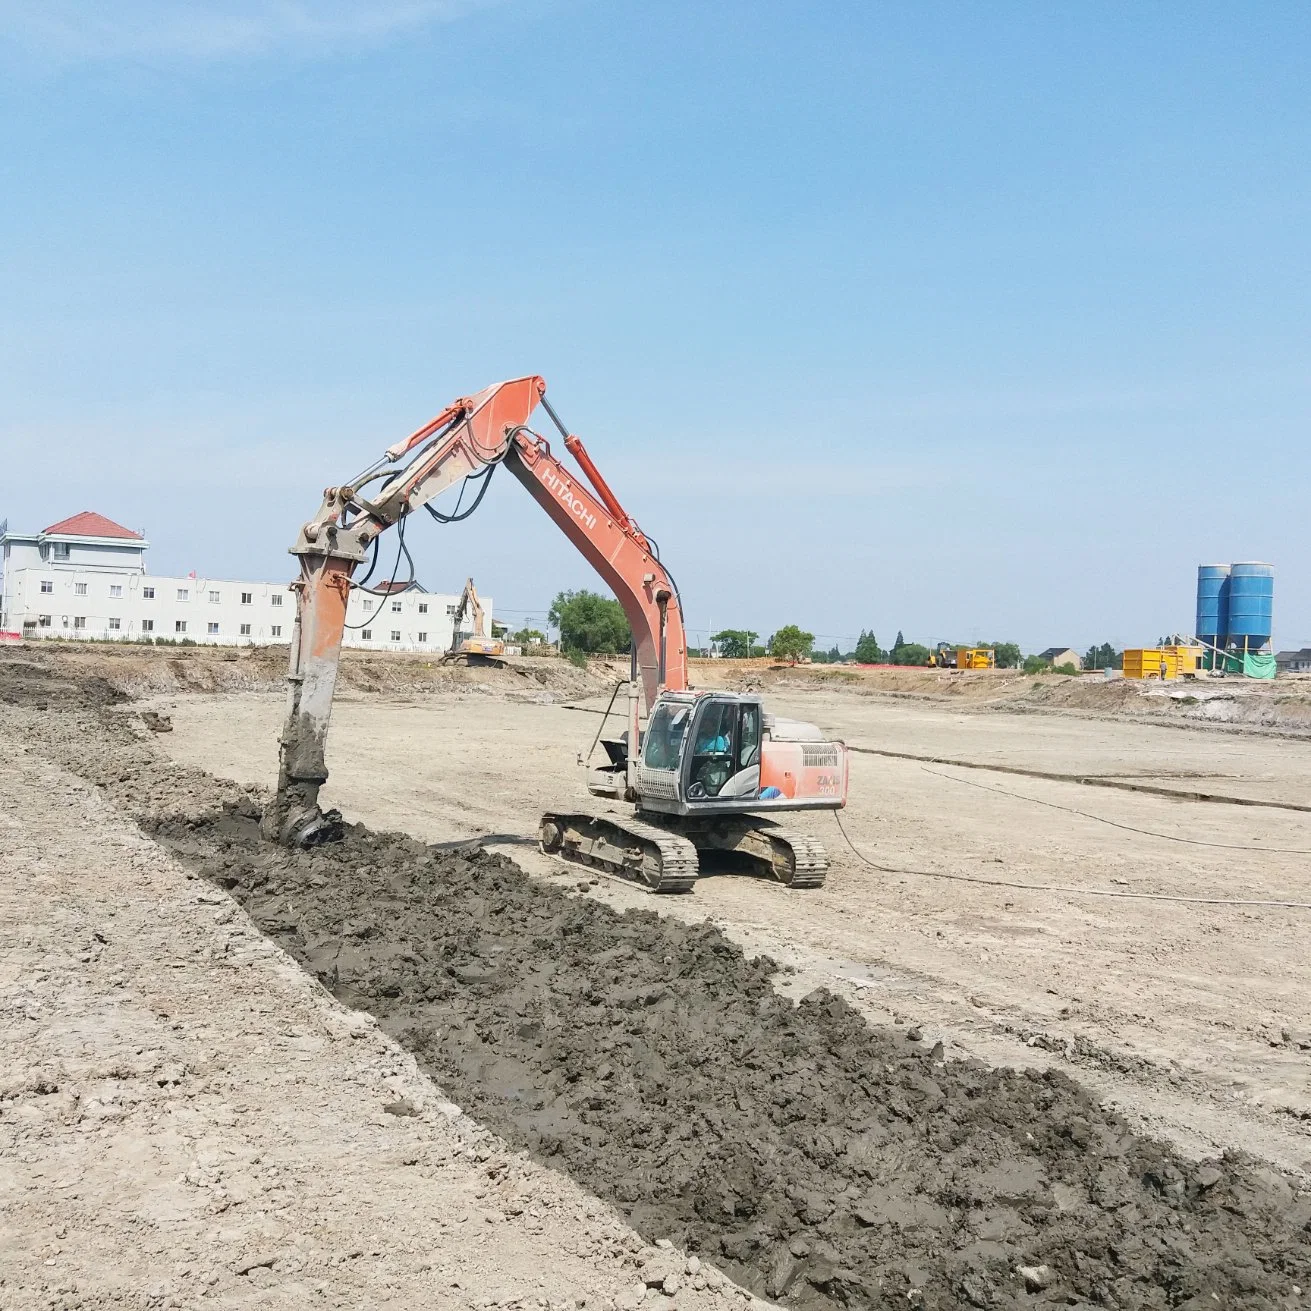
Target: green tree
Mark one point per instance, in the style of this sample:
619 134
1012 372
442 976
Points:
868 650
589 622
910 653
735 643
1008 654
901 641
1103 657
1066 668
790 643
528 637
1035 664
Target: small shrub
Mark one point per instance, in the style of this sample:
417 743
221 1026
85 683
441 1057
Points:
577 658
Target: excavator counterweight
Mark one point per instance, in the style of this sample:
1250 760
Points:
709 767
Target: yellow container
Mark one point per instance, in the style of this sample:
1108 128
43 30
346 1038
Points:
1190 659
1152 662
975 657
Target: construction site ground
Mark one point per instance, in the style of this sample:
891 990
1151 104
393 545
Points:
235 1071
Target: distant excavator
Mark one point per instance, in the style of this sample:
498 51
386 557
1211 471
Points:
709 769
472 644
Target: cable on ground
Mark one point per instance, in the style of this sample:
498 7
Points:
1128 828
1074 892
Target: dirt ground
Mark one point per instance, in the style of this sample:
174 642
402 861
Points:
1175 1012
715 1122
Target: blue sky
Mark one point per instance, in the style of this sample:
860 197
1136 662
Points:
966 320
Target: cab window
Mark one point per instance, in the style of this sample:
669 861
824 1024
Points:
748 751
664 736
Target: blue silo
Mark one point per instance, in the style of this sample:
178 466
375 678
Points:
1251 604
1212 603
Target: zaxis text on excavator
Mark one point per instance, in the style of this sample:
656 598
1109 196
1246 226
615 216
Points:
710 768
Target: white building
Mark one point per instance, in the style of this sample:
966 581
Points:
86 578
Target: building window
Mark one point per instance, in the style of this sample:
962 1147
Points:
179 625
214 598
366 635
184 594
423 607
395 634
451 609
246 598
368 605
276 598
43 621
244 630
47 586
115 625
147 625
423 637
213 630
276 630
62 550
395 607
79 621
116 589
80 588
147 593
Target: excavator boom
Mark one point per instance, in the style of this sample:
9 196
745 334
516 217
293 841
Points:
467 438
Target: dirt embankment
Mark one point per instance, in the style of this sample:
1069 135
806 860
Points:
1282 706
140 671
821 1161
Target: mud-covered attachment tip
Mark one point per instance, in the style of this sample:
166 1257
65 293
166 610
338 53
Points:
302 825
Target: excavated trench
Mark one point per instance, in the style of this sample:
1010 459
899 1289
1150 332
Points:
820 1161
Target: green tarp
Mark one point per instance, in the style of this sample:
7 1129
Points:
1258 665
1252 664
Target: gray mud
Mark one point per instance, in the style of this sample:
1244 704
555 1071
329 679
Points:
820 1161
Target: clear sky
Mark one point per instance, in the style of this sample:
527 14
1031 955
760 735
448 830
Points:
970 320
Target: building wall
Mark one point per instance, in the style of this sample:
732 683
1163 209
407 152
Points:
20 553
1067 657
60 601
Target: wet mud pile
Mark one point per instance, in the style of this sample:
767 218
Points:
818 1160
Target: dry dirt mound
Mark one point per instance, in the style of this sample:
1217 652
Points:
819 1160
1280 707
138 671
40 684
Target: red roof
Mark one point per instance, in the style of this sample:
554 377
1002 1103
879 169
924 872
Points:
91 524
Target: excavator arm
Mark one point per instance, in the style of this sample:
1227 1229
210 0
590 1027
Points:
469 605
467 438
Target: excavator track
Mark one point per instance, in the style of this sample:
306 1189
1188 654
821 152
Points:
661 861
799 861
795 859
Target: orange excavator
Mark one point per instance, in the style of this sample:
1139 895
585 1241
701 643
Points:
473 644
710 769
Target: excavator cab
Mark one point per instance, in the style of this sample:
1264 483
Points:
715 752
